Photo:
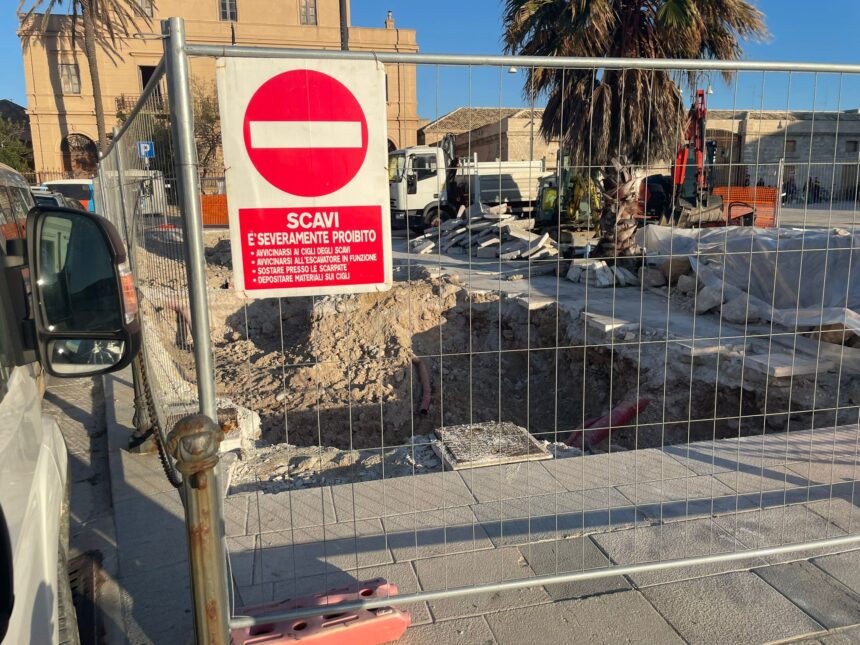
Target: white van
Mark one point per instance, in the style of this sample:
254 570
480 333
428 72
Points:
68 307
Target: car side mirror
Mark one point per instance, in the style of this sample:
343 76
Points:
84 299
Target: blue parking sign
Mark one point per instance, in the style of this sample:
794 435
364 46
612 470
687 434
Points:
145 149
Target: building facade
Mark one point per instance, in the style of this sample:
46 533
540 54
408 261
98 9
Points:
493 134
801 152
59 92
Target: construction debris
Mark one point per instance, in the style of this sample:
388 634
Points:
486 232
486 444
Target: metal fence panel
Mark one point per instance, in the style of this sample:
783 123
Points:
693 402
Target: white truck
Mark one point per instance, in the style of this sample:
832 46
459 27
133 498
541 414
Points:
427 184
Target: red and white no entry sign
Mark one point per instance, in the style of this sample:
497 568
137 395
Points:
305 133
305 145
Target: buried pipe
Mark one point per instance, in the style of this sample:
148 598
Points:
600 427
424 376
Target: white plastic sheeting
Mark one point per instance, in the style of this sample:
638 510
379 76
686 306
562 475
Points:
793 277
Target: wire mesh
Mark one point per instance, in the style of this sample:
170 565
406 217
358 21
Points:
141 198
629 380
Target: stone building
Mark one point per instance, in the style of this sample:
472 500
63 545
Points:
819 146
59 93
494 134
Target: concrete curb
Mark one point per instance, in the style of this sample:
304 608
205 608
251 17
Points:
118 393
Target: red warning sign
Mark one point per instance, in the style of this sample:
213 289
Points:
305 150
325 247
305 133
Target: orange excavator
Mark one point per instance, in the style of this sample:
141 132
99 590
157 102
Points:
685 199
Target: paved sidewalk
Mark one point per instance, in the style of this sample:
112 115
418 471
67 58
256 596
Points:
304 541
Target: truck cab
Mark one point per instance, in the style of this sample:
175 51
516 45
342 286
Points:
417 186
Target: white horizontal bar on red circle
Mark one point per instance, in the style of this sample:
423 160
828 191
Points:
305 134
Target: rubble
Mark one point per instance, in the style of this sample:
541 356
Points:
486 227
651 277
708 298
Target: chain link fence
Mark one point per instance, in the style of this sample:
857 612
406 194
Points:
523 408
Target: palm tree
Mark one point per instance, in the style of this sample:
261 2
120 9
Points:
102 20
602 116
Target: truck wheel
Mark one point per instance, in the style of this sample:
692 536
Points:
435 216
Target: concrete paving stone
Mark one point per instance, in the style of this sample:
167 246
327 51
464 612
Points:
844 637
767 479
778 526
149 519
615 469
843 512
318 550
473 568
142 475
399 495
735 607
829 469
694 538
437 532
567 556
156 605
268 512
623 617
235 515
845 567
509 481
400 574
686 496
554 516
243 553
251 595
820 595
474 631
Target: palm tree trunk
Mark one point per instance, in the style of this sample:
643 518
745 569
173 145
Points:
90 53
621 186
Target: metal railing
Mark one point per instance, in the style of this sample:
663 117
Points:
692 402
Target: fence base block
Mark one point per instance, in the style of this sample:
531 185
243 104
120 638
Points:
359 627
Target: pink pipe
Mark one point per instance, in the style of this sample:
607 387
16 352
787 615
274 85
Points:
602 426
424 376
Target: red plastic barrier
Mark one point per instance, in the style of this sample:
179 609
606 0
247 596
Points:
361 627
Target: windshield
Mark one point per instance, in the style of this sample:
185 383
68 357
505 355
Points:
75 191
45 199
396 167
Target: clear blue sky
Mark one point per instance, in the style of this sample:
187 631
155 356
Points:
823 31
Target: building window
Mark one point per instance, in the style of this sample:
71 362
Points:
70 78
850 146
790 146
228 10
145 9
308 12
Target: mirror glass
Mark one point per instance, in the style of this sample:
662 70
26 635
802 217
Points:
84 355
77 280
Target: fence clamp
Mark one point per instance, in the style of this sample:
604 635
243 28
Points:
193 442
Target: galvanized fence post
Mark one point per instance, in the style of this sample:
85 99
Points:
204 520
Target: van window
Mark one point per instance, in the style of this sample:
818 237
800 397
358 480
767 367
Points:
75 191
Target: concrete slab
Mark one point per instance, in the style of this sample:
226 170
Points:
729 608
780 525
623 617
682 497
400 495
450 632
320 550
820 595
783 365
844 637
670 541
567 556
434 532
509 481
289 509
477 567
845 567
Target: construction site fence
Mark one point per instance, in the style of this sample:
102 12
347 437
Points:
516 420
